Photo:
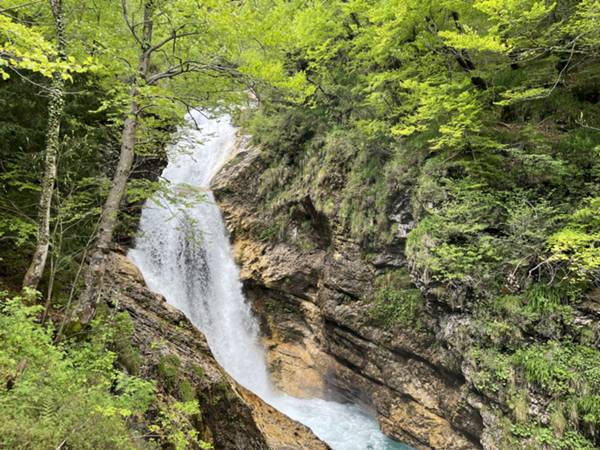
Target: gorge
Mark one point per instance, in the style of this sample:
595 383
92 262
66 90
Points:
380 228
184 254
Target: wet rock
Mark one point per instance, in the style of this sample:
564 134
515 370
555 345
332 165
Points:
313 308
232 417
281 433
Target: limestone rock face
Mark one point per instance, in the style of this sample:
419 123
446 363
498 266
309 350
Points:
313 307
232 417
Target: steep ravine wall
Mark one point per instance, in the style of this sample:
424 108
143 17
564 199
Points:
313 309
175 354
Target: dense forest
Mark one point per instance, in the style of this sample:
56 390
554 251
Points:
464 135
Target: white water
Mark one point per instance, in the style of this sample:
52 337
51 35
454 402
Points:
183 252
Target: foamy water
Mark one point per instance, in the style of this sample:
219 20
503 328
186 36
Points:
184 254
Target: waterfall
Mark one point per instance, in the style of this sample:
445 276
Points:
183 251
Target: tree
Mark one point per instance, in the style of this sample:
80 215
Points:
24 47
25 50
165 36
149 61
55 112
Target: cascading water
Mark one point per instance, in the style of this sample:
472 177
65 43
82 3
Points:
184 254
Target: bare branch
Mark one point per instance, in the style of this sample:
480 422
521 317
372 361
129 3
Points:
127 22
174 36
581 122
29 80
191 66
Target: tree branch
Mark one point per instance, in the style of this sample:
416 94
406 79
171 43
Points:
174 36
190 66
128 23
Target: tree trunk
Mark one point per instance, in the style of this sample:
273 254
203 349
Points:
55 112
94 274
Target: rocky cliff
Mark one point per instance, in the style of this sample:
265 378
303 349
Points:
176 354
313 303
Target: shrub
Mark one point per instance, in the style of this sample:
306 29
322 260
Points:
569 373
175 426
395 302
128 356
493 370
451 244
578 244
168 371
63 395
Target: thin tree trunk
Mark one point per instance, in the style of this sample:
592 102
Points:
54 263
55 112
95 271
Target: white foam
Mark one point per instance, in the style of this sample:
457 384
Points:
184 253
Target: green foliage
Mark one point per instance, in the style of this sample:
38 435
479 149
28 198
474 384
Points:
267 233
86 145
537 436
578 244
547 366
73 394
568 372
396 302
168 371
451 243
26 48
542 298
175 426
127 355
186 391
67 395
17 229
471 126
347 176
174 381
494 371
